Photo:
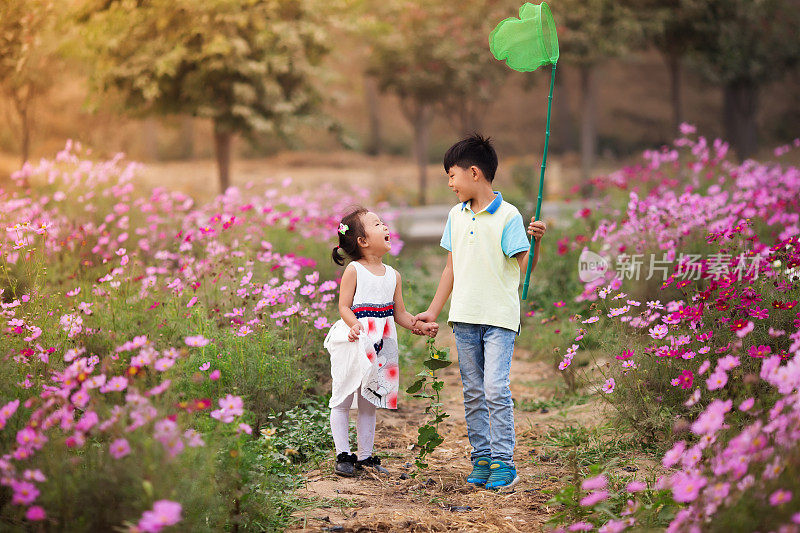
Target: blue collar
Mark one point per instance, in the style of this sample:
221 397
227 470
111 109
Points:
492 207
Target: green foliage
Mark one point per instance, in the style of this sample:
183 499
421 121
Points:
591 31
27 43
429 387
745 40
249 66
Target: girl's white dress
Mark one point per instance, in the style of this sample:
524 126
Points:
370 364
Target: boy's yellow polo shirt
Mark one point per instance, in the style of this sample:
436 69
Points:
486 275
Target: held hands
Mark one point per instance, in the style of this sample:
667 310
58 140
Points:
537 228
355 331
425 324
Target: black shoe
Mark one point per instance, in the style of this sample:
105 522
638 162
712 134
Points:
372 462
345 464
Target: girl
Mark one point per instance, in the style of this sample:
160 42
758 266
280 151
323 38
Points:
363 344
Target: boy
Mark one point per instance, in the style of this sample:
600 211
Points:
487 249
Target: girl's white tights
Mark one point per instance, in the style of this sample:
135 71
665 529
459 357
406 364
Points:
365 426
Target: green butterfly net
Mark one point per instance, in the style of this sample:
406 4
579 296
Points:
528 42
525 44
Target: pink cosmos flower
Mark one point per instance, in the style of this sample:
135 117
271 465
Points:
674 454
686 379
613 526
686 486
25 492
165 513
743 332
717 380
321 323
593 498
760 351
196 341
703 367
747 404
115 384
9 409
581 526
35 513
636 486
163 364
658 332
214 375
245 428
779 497
626 354
192 301
608 386
119 448
594 483
205 366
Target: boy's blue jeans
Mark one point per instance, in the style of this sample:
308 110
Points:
484 358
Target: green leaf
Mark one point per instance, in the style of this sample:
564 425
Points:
436 364
416 386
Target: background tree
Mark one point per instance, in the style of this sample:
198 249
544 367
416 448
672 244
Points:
435 56
248 65
26 59
590 32
668 25
744 44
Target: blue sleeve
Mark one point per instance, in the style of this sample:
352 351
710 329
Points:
514 238
446 243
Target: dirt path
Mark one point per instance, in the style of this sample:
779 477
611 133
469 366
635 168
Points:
439 499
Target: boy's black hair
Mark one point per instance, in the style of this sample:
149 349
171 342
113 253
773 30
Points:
348 241
473 150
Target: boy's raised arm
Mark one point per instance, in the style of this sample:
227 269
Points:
442 293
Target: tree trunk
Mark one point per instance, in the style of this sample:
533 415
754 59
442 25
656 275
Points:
422 123
22 105
222 146
374 144
739 116
588 128
187 137
565 138
150 132
675 71
26 137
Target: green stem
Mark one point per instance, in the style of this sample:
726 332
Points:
541 182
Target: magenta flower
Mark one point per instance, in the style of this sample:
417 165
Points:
215 375
626 354
608 386
779 497
686 379
165 513
35 513
759 351
119 448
